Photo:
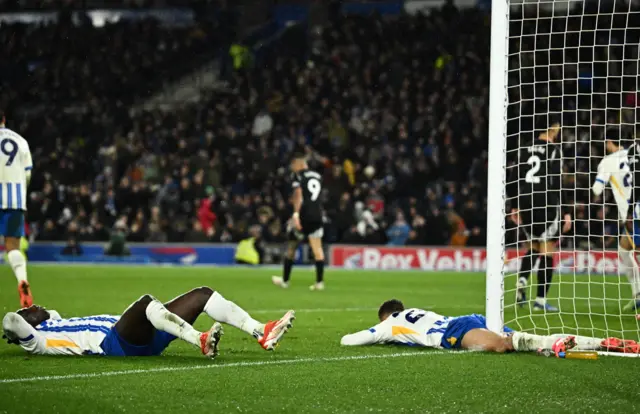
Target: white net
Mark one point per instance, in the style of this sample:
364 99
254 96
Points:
575 63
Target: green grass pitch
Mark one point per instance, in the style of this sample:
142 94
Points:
309 372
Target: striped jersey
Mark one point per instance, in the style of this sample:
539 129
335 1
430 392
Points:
74 336
15 166
614 169
415 327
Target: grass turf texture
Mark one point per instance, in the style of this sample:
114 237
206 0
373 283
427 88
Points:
310 372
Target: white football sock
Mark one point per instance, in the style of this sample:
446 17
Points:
632 269
225 311
18 265
524 342
587 343
528 342
165 321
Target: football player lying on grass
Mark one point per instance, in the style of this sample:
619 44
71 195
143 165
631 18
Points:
146 328
417 327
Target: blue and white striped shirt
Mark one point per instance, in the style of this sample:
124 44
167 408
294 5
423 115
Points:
15 170
73 336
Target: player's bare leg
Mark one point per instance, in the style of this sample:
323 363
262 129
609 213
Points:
318 253
545 276
485 340
18 264
627 255
204 300
290 254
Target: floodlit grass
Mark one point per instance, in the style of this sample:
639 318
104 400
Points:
309 372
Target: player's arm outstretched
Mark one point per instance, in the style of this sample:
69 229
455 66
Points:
370 336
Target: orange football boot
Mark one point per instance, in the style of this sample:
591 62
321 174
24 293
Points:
626 346
275 330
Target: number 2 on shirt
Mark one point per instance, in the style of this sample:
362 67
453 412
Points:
413 318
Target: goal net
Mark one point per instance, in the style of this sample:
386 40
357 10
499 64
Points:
576 63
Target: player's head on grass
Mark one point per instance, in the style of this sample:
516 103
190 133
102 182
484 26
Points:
298 162
34 315
388 308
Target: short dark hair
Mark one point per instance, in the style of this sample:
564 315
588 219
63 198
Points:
619 136
389 307
1 115
299 156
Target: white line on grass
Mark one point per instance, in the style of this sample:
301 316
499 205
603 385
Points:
329 310
315 310
230 365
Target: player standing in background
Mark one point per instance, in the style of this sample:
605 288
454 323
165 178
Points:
536 187
305 222
619 168
15 173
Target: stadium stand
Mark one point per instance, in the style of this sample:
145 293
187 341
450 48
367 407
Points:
396 122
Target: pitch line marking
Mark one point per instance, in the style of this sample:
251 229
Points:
314 310
230 365
328 310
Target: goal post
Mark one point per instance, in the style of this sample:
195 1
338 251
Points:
576 62
497 164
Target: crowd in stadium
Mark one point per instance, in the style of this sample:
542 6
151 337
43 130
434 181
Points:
395 122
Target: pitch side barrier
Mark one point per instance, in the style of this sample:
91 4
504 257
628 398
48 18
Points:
180 254
461 259
424 258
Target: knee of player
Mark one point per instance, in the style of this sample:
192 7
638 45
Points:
204 291
145 300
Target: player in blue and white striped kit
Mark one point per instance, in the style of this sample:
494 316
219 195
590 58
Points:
15 173
146 328
621 170
417 327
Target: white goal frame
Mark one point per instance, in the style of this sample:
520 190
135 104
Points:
498 102
497 163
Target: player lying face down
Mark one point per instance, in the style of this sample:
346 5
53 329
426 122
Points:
146 328
419 327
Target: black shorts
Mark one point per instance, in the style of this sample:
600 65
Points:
313 228
309 229
540 224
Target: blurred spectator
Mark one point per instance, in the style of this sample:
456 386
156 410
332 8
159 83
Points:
262 124
398 233
196 234
117 242
72 248
156 235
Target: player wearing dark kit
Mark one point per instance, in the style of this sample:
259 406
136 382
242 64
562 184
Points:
535 186
306 221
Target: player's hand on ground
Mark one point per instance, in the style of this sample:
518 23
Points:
567 223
